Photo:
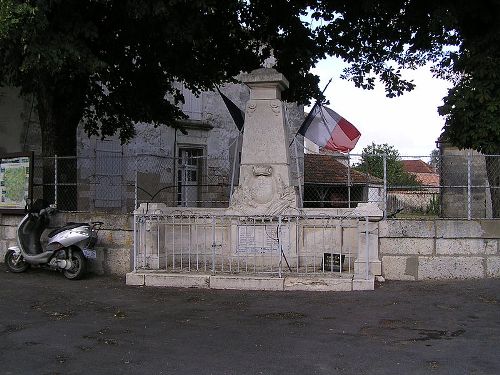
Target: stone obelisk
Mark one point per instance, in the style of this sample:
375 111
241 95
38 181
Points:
265 183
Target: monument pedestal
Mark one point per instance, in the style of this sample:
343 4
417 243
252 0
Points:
264 187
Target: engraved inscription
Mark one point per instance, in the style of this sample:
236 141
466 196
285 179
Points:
263 239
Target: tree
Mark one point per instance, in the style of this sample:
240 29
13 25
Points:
434 158
112 63
372 162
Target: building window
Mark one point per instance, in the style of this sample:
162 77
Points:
192 105
189 176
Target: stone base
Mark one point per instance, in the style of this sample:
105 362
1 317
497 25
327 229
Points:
359 283
375 267
323 284
333 283
246 283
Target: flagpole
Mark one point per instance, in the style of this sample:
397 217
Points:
299 176
297 167
349 179
310 112
234 166
238 117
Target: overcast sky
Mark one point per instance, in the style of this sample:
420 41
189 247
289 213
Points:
410 122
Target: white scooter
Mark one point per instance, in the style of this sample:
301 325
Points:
67 250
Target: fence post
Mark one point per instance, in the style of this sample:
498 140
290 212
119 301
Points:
469 198
135 243
55 180
213 244
349 180
385 186
135 187
367 249
280 248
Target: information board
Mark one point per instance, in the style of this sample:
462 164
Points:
15 181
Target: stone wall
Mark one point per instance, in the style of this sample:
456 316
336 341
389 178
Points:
439 249
114 246
454 181
409 249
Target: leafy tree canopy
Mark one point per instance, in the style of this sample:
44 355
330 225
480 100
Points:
115 62
434 159
472 106
372 162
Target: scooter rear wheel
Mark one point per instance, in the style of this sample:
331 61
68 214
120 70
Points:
15 262
78 269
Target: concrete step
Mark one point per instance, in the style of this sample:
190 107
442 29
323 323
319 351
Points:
330 283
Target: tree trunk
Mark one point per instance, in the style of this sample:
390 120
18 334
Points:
493 173
59 114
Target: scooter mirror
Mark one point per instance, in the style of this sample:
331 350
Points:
27 205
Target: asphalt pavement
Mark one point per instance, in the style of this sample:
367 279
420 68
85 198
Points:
50 325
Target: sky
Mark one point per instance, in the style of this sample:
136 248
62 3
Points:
410 122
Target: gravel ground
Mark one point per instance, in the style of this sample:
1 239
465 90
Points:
50 325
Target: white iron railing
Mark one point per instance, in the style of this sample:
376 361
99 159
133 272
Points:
290 244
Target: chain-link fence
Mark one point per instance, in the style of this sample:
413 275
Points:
104 183
117 184
461 185
335 181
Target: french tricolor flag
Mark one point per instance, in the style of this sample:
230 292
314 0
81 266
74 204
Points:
329 130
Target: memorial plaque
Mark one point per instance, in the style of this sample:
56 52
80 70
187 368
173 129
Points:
333 261
262 239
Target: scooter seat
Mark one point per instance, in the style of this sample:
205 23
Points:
66 227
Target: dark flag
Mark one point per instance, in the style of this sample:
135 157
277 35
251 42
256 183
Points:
237 114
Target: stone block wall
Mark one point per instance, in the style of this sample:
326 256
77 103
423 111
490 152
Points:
408 249
439 249
454 193
114 247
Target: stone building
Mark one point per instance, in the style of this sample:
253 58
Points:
192 168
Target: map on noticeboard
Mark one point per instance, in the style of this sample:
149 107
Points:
14 182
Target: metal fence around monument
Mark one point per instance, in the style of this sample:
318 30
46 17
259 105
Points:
464 185
261 245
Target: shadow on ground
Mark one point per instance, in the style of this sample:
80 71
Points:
50 325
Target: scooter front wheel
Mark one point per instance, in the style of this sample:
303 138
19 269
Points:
15 262
78 268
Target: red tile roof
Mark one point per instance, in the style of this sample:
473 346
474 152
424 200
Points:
422 171
428 179
326 169
417 166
